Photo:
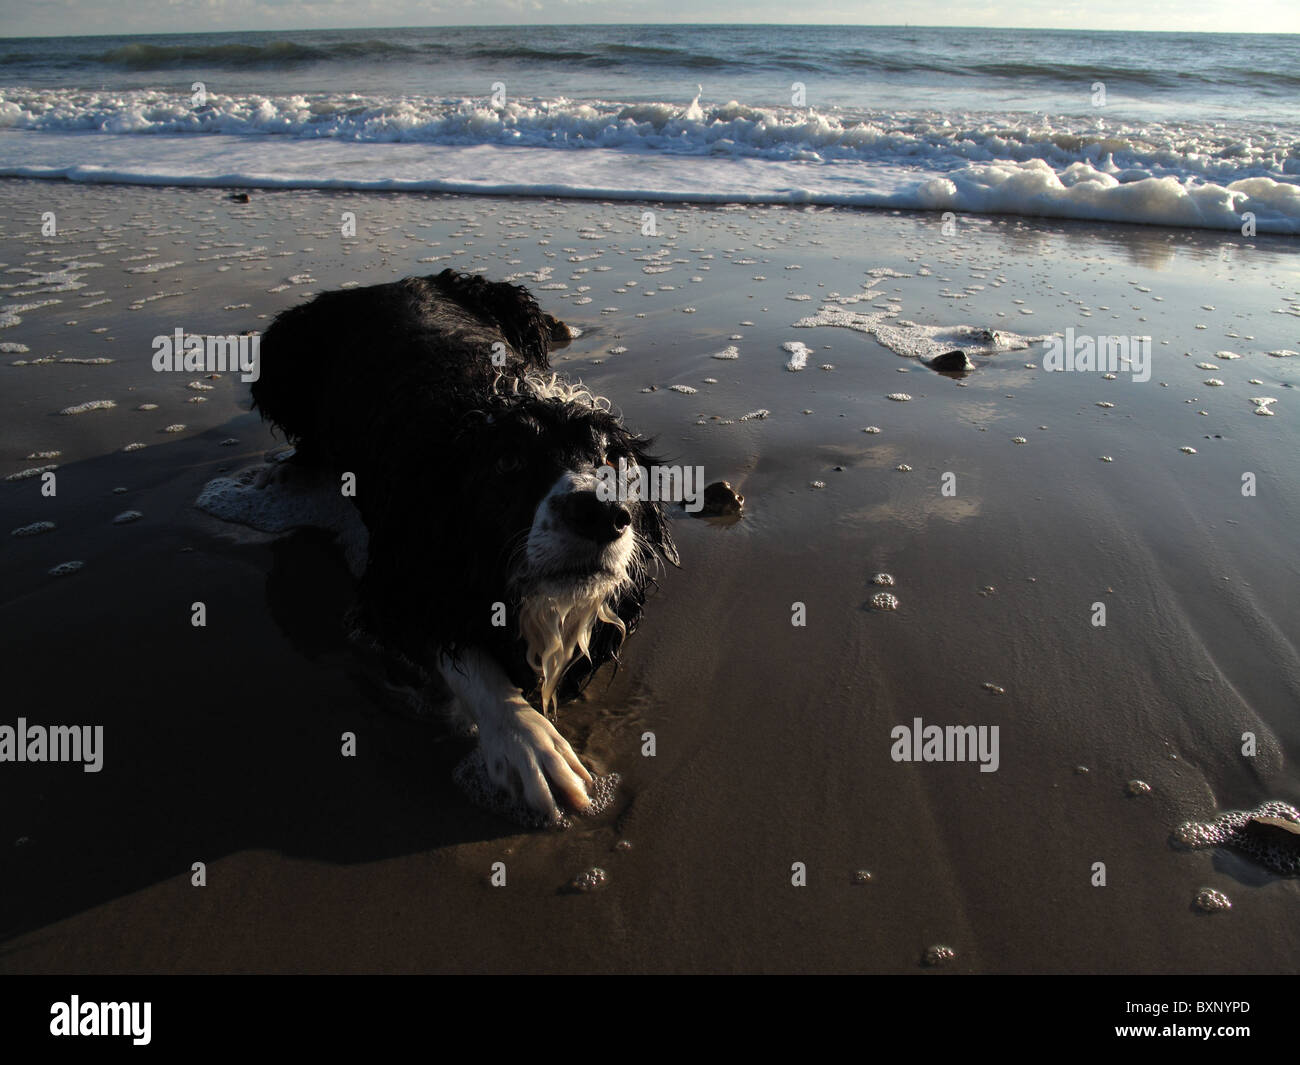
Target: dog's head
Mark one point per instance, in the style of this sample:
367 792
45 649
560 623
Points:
580 546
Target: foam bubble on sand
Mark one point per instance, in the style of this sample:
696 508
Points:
1210 901
153 268
1263 404
34 529
280 498
94 404
884 601
8 347
899 397
592 879
755 415
685 390
1284 353
883 579
471 776
33 471
45 454
1214 382
873 429
1260 833
798 355
939 955
177 428
64 568
127 516
1188 450
1206 366
1226 355
729 352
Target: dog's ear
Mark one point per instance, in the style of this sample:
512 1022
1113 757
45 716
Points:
511 308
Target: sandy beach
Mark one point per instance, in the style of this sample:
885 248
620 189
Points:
1005 506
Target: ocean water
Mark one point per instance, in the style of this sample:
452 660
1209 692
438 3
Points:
1169 129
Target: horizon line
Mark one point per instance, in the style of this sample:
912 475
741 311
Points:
585 25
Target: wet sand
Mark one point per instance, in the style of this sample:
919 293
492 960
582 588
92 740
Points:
222 743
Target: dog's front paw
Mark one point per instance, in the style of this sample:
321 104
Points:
527 758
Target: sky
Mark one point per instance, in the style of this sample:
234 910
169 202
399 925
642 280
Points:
22 18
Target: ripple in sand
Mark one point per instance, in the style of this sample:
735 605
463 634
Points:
1208 900
34 529
94 404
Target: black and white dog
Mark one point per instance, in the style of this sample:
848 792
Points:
493 561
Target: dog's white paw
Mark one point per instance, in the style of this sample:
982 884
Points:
527 758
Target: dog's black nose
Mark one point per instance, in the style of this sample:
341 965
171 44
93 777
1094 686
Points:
591 517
